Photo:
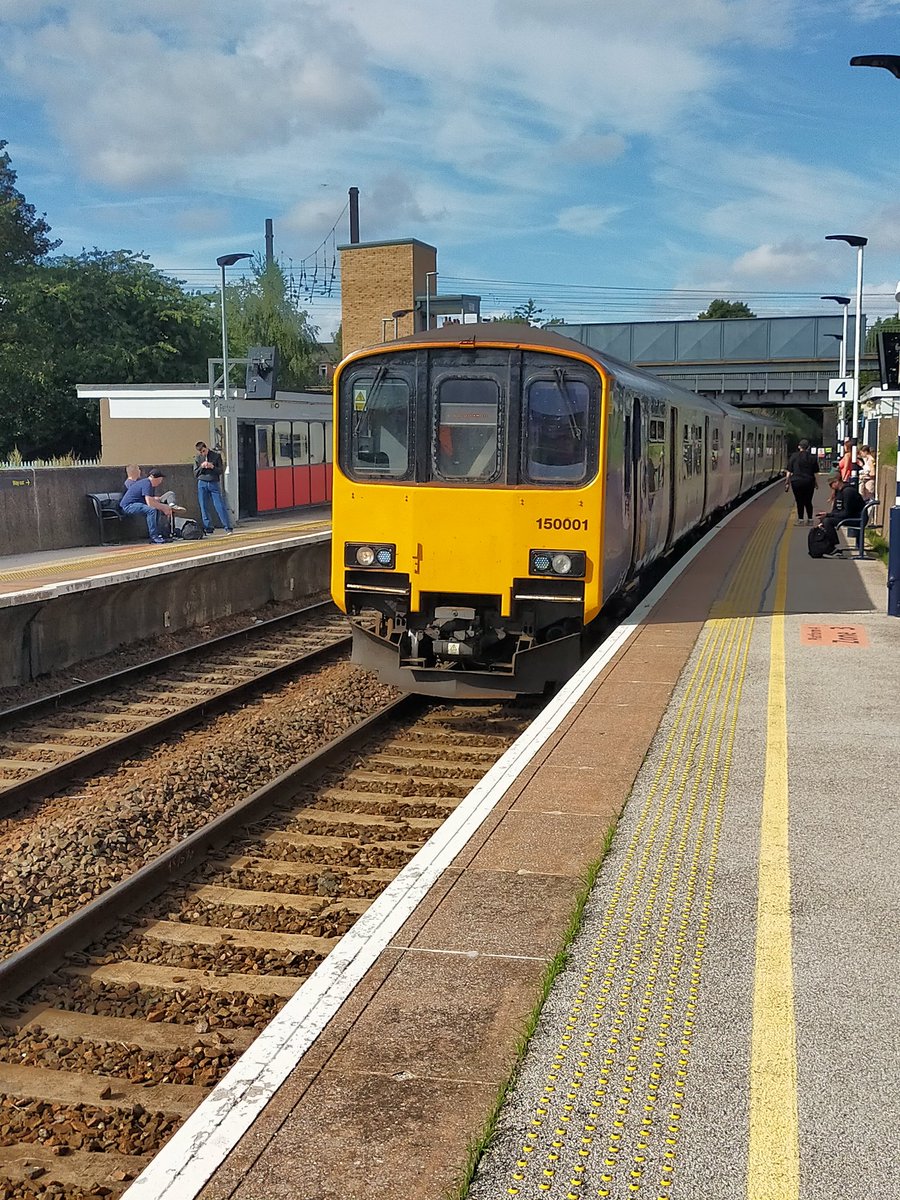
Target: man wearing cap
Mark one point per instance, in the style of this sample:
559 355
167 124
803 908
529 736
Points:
140 500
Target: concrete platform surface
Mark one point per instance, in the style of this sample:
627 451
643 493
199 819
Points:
725 1024
46 573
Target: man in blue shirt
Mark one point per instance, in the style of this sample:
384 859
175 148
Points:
140 500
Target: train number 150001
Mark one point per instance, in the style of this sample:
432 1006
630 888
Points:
561 523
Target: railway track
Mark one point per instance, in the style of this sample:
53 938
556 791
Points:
47 743
117 1023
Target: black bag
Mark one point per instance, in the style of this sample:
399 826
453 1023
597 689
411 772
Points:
188 528
819 543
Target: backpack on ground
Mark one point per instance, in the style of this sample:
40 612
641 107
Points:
818 542
188 528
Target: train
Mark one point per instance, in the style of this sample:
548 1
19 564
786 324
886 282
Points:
496 486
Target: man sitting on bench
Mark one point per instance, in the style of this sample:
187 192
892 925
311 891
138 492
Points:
140 500
846 505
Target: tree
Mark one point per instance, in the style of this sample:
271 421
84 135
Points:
528 314
722 309
261 312
99 317
882 325
24 236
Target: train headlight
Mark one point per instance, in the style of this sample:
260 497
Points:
370 554
557 562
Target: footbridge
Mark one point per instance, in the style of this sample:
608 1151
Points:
752 362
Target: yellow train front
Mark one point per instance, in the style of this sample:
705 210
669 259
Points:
493 486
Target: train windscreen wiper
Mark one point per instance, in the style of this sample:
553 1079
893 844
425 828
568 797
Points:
571 411
377 381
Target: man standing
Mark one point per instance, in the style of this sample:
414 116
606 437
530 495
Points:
208 468
139 500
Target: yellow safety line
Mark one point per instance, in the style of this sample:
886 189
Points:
773 1171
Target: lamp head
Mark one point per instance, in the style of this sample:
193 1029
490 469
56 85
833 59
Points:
852 239
890 62
228 260
839 299
838 337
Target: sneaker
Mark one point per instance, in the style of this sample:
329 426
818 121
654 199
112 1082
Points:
228 531
208 532
158 541
178 508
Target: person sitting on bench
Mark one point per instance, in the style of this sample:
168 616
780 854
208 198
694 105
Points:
846 505
139 499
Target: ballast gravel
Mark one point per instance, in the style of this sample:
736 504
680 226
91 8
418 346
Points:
73 847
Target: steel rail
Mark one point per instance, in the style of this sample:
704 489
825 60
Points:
40 958
59 776
164 662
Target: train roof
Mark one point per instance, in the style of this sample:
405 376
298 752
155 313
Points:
545 338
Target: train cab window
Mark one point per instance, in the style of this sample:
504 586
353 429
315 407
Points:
556 422
466 444
376 408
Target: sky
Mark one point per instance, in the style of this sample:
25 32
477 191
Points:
611 159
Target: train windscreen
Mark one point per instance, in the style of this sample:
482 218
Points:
379 426
556 420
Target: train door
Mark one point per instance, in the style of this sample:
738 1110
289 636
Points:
246 444
674 461
706 461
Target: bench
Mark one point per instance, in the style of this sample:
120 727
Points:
112 521
858 526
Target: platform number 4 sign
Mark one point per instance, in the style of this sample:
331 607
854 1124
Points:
840 391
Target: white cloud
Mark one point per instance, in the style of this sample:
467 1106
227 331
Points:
785 264
586 218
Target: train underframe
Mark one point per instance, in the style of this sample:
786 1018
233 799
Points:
460 647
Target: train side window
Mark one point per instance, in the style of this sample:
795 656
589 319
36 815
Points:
735 447
697 438
316 443
714 449
466 444
375 409
556 422
300 436
687 456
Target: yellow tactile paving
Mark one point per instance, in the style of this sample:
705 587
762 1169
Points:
137 555
773 1171
645 967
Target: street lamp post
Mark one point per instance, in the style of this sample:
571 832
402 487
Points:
226 260
397 314
858 242
890 62
844 302
429 275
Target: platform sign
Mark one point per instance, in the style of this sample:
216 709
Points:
840 390
15 479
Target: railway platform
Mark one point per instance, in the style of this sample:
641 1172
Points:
58 607
680 880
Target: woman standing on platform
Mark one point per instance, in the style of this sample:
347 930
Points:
800 476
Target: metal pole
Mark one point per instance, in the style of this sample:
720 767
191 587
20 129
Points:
854 468
428 277
212 430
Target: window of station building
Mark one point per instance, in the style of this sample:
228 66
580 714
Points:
300 440
555 446
466 442
376 417
714 449
265 452
316 443
283 456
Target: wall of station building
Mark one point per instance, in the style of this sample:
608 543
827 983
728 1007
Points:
377 280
